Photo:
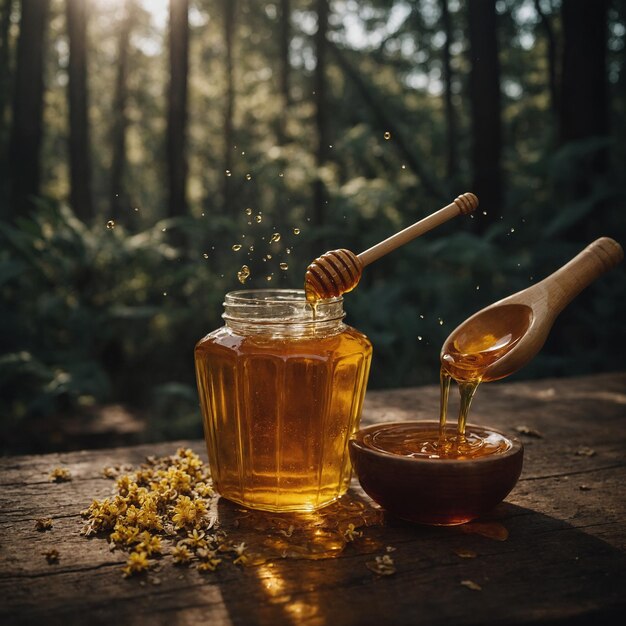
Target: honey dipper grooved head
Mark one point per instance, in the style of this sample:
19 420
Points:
332 274
467 203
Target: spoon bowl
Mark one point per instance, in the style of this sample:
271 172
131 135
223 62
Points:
505 336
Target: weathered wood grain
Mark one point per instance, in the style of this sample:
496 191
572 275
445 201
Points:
563 562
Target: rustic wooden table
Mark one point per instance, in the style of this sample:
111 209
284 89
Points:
563 561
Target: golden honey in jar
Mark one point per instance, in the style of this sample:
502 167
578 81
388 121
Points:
281 391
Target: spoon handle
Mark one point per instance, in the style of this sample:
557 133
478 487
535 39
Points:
465 203
568 281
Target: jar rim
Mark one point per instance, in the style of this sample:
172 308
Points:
265 297
280 307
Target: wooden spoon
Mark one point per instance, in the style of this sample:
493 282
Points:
503 337
339 271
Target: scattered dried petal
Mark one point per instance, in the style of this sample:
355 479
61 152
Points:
182 555
470 584
288 532
382 565
350 533
110 472
60 475
464 553
528 431
52 556
585 451
43 523
137 563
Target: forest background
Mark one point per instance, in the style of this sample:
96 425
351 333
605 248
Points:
151 148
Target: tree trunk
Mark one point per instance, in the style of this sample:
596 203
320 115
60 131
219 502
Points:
5 21
177 108
229 7
552 58
451 134
118 195
26 127
584 98
485 104
584 112
285 66
79 151
321 120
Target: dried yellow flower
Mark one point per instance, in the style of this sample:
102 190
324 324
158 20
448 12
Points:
195 539
137 562
470 584
167 499
149 544
110 472
208 566
52 555
382 565
350 533
60 475
181 554
43 523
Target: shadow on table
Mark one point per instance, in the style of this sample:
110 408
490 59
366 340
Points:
544 571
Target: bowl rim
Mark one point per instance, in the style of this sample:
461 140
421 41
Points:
357 442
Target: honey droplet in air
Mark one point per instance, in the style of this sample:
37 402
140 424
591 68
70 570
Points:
205 255
248 176
229 173
248 211
387 135
111 224
236 247
296 231
258 219
268 278
275 237
243 274
284 266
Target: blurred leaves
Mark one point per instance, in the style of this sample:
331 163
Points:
85 315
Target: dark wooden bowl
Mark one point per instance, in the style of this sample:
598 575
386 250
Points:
441 492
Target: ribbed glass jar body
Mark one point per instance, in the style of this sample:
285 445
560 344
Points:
281 391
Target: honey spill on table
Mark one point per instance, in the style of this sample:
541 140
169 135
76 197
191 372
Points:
316 535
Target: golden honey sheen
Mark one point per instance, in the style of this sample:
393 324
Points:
281 394
466 359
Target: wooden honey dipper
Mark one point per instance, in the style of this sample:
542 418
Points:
338 271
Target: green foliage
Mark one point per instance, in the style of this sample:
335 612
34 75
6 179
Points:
94 314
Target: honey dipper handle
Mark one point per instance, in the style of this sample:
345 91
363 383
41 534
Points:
464 204
567 282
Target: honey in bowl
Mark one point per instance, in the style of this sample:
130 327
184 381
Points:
397 468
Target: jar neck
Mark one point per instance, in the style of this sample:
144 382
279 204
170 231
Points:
281 313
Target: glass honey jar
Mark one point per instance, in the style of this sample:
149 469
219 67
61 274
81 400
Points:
281 388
